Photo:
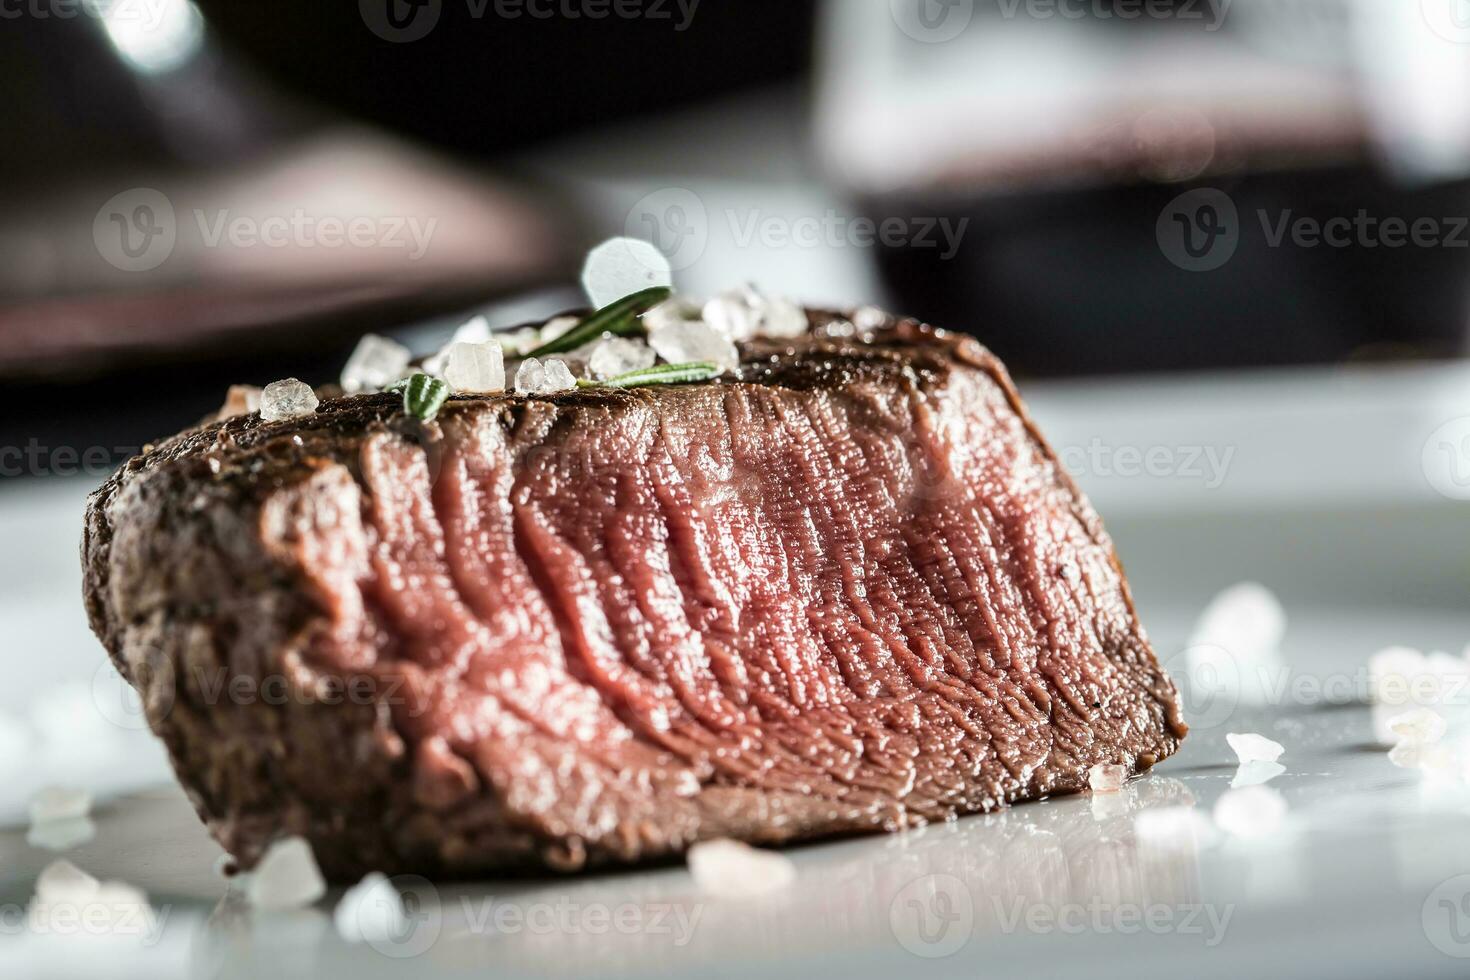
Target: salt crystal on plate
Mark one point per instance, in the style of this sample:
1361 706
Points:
1175 828
287 877
1250 812
529 377
62 881
54 803
613 356
1110 806
731 869
61 835
1426 757
556 377
371 911
783 319
1421 726
375 363
1107 777
1391 674
1256 774
288 399
681 343
623 266
1250 747
1247 623
475 367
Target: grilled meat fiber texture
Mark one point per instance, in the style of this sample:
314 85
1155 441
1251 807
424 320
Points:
849 589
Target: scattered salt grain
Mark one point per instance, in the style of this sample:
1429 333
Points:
733 314
1425 757
62 881
675 310
376 363
1256 774
1107 777
1245 624
1180 828
1250 747
557 377
1110 806
475 330
287 399
55 803
371 911
1421 726
286 878
744 313
475 367
529 377
61 835
1250 812
65 893
623 266
681 343
730 869
613 356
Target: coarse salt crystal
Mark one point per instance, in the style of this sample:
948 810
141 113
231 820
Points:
1391 674
475 368
731 869
556 377
1107 777
613 356
376 363
675 309
529 376
1250 812
1421 726
623 266
287 877
783 319
1110 805
287 399
1256 774
371 911
733 315
681 343
55 803
1250 747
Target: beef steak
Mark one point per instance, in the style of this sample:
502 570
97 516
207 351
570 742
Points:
847 589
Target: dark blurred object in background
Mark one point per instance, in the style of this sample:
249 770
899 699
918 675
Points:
1166 186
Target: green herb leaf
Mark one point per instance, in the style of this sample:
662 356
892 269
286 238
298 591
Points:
663 374
618 319
424 395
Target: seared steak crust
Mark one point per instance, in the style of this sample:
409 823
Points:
851 590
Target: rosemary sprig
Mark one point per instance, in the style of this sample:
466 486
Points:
423 395
663 374
618 319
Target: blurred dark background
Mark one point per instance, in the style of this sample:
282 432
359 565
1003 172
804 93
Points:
1087 188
